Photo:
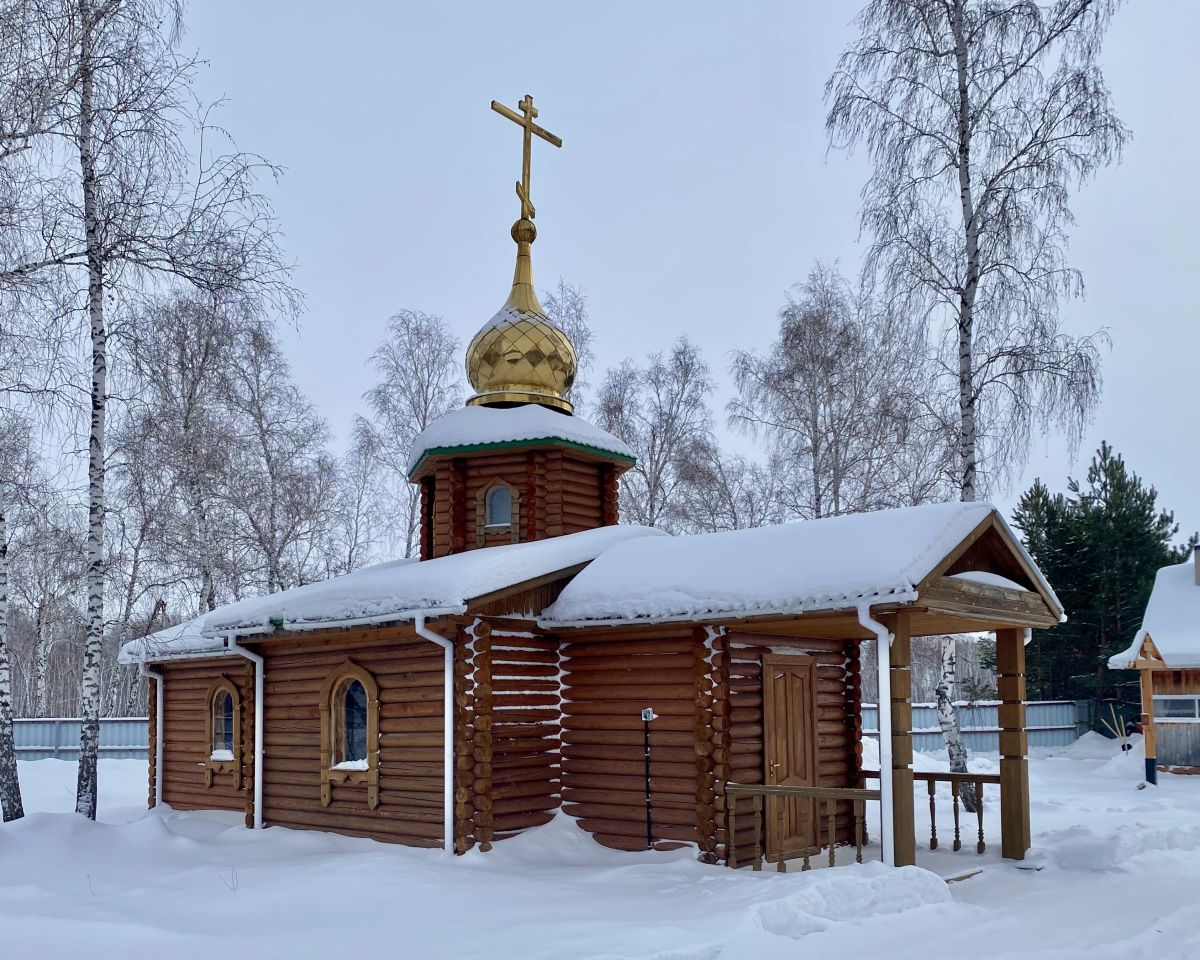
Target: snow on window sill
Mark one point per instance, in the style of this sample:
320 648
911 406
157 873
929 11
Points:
221 755
350 765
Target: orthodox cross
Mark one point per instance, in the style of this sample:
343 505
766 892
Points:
525 120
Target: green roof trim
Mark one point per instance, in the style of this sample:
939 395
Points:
510 444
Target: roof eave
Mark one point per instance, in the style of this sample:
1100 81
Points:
619 458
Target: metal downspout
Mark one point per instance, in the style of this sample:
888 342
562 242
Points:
883 645
259 671
447 728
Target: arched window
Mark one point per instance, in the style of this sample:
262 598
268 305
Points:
499 507
350 747
224 727
350 732
497 512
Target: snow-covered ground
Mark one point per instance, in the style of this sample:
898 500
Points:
1117 873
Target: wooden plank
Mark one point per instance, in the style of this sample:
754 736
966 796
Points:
1015 834
904 824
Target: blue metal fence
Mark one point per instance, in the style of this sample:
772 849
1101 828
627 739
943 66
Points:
1050 723
121 738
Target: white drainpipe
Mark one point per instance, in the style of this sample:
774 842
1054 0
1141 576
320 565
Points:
157 677
447 728
259 670
883 647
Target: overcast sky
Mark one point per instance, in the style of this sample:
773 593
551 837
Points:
693 189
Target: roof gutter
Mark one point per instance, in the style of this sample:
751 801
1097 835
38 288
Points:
883 645
447 727
898 595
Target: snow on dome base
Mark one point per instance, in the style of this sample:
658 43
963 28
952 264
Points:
481 427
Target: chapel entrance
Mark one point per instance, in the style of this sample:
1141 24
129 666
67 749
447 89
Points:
790 754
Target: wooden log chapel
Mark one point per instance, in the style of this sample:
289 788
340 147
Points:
540 658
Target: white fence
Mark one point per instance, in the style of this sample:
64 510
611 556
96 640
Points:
121 738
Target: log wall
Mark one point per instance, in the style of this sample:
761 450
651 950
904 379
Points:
606 684
409 671
525 699
559 492
186 688
739 694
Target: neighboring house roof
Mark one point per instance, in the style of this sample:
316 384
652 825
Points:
1171 626
482 428
395 591
832 563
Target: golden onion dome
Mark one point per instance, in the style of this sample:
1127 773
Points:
520 356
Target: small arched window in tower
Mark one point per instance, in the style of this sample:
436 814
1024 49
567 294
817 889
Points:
499 507
497 512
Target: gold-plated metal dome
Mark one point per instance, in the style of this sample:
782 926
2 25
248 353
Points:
520 356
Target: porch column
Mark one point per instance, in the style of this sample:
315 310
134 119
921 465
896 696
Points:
904 824
1014 768
1149 734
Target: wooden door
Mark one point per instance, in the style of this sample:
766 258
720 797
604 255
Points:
790 750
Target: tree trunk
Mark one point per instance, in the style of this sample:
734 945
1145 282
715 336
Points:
968 428
86 787
948 720
10 786
41 664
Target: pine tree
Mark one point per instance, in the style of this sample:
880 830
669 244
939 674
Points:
1100 546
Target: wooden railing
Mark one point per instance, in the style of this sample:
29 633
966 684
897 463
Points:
955 780
822 808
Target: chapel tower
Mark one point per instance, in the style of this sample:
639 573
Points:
515 464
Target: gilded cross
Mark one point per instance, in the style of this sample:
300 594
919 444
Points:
525 120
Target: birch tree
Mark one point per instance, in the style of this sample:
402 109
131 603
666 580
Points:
17 469
279 477
419 381
125 188
661 410
838 401
979 116
725 491
566 305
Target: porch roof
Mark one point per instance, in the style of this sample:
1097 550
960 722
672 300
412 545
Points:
835 563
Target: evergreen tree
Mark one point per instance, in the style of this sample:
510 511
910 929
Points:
1100 546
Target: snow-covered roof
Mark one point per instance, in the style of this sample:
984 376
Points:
1172 619
483 427
398 590
831 563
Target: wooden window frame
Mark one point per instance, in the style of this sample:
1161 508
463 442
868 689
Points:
332 712
512 528
223 684
1194 697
